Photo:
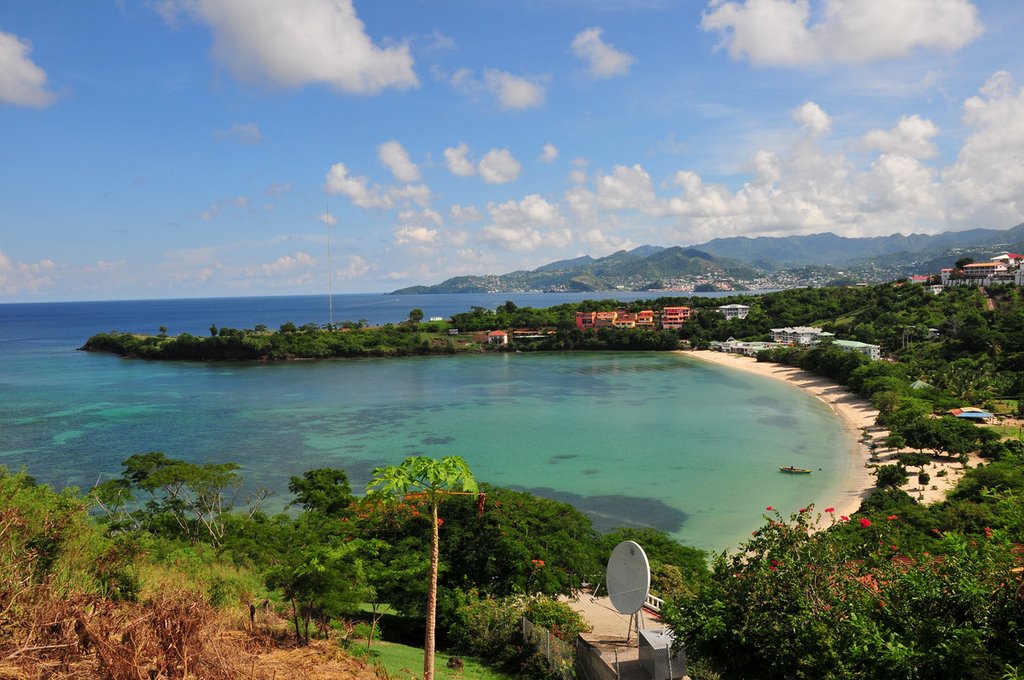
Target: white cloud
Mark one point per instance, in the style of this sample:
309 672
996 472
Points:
327 219
466 213
912 137
358 189
243 133
801 32
287 263
22 83
295 43
395 158
16 277
514 92
498 166
626 187
549 154
603 60
357 268
526 225
458 164
987 179
812 118
416 235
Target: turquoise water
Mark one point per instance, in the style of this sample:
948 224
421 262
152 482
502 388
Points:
631 438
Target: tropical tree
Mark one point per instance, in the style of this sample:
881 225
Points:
429 480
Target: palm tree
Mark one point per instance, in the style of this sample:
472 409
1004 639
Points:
431 479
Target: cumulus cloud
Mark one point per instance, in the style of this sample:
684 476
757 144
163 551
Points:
514 92
812 118
526 225
416 235
603 60
357 268
912 137
295 43
327 219
394 157
802 32
366 195
465 213
243 133
458 163
22 82
17 277
987 179
287 263
499 166
358 189
549 154
626 187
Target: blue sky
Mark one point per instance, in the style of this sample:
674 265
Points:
193 148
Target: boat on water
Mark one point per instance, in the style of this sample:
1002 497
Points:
795 470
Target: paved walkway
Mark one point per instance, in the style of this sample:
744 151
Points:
606 622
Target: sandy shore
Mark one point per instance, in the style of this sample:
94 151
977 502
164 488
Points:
858 417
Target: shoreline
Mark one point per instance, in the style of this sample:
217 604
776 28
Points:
858 417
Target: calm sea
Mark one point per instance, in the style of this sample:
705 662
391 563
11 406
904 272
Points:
631 438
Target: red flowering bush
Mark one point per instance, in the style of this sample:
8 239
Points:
855 602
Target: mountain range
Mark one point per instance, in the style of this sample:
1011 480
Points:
741 262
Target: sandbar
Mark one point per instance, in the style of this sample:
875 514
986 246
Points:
858 418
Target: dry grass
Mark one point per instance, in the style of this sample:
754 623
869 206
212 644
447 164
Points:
173 635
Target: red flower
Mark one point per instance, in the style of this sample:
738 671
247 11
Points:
865 522
892 517
894 547
440 521
803 509
988 533
844 518
769 508
830 510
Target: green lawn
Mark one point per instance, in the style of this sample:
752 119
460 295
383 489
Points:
402 663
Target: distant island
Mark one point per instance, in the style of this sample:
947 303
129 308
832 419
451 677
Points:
742 263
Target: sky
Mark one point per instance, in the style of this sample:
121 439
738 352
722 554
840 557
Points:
204 148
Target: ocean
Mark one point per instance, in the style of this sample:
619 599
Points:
633 439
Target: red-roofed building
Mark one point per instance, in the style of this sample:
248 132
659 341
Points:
497 338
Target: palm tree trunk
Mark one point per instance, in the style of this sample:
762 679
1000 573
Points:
428 644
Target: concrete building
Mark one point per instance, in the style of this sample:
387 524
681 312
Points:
673 318
873 352
799 335
497 338
734 311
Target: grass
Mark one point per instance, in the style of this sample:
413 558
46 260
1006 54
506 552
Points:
1005 406
404 663
1007 431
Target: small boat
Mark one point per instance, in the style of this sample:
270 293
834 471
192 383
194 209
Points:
795 470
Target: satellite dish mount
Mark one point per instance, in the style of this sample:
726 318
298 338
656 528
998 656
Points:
629 581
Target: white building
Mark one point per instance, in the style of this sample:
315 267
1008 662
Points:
799 335
873 352
734 311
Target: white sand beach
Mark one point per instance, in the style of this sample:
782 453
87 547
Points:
858 416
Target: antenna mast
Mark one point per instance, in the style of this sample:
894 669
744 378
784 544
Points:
330 270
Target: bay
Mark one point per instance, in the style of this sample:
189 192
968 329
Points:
646 439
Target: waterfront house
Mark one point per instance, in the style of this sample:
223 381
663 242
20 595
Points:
872 352
673 318
497 338
645 319
799 335
734 311
585 320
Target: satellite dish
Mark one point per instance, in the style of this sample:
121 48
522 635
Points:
629 577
